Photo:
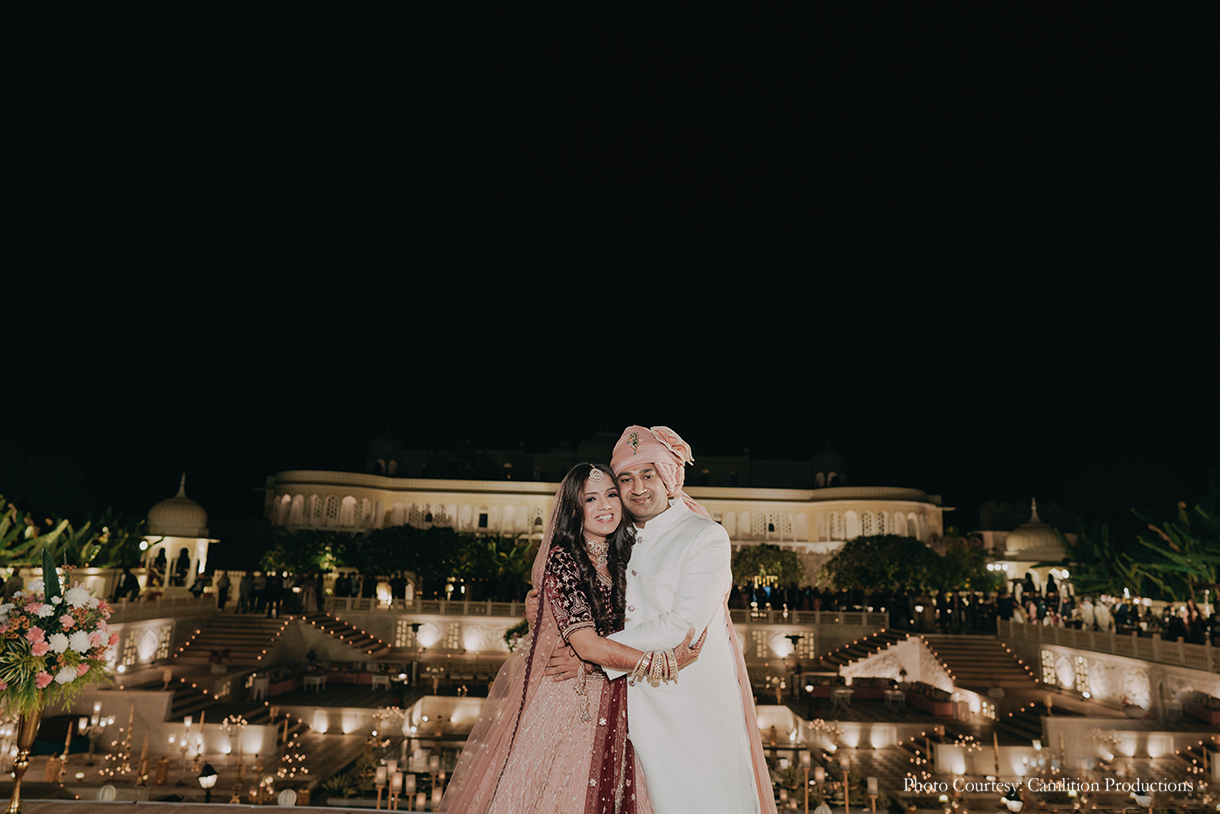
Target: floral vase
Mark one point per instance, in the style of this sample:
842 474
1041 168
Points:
27 730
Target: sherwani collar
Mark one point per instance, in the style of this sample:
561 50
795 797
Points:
662 522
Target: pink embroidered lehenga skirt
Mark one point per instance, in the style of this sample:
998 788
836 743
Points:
563 765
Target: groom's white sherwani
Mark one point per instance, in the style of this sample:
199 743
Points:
690 735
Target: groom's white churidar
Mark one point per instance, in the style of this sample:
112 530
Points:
697 738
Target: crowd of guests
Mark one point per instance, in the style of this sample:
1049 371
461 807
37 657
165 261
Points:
977 612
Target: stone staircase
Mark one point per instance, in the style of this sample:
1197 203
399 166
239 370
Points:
981 662
349 634
246 638
861 648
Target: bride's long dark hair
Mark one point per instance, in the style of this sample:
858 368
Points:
569 535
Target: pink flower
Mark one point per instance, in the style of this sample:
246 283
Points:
33 607
3 685
42 680
114 639
40 649
67 621
96 639
104 607
81 669
35 634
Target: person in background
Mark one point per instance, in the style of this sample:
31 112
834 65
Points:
245 592
259 593
222 590
128 587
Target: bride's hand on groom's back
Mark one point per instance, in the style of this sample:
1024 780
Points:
687 652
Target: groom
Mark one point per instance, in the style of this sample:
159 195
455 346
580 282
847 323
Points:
697 738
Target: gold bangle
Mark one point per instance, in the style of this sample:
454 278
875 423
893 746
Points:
641 670
672 658
658 669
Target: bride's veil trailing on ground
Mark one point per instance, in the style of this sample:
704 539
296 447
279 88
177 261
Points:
477 774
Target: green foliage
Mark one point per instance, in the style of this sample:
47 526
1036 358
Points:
1097 565
885 562
106 543
767 564
304 552
497 567
493 567
962 567
514 635
1186 553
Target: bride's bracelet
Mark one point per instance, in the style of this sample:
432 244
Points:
657 673
641 669
671 664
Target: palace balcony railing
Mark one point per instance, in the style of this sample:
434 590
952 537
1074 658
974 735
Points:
162 608
441 607
1147 648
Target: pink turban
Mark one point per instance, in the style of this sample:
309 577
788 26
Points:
663 448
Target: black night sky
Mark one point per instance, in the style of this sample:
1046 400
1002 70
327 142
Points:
987 273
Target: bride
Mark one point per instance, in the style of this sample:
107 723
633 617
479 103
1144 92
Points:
543 745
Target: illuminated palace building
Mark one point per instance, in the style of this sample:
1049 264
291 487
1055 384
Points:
807 506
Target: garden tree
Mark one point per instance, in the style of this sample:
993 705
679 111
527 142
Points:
962 565
497 567
433 554
1186 553
1097 565
886 562
304 552
767 564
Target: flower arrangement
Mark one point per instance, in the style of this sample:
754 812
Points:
52 643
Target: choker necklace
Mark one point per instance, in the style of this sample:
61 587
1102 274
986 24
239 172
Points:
598 552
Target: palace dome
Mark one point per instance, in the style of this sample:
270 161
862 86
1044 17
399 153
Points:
1034 540
384 455
178 516
386 447
829 467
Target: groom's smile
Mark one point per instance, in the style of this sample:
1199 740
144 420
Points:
643 492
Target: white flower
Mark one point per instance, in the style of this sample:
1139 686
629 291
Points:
58 642
79 641
46 610
65 675
93 602
6 607
55 600
77 596
35 585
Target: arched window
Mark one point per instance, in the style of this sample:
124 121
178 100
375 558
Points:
285 506
900 524
391 468
296 516
837 527
866 526
730 524
483 517
823 529
852 521
316 510
819 480
743 525
830 479
332 510
398 514
347 512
